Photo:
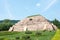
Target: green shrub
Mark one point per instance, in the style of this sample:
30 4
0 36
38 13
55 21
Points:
28 32
26 37
44 30
17 38
38 33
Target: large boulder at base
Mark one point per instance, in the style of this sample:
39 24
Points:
33 23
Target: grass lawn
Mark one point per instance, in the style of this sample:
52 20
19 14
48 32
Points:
4 35
57 35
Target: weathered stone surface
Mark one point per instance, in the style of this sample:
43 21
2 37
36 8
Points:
33 23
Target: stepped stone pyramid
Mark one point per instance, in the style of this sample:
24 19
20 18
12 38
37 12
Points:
33 23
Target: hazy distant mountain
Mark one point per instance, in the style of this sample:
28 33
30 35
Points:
13 21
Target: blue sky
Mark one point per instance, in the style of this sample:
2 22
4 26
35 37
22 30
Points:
19 9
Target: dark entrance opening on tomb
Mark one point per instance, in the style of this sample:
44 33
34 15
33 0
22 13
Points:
30 19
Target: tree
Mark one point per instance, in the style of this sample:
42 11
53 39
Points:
5 25
56 22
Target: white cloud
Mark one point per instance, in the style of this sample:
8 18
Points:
38 5
7 9
49 5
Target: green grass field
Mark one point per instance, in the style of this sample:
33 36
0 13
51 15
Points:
57 35
22 35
